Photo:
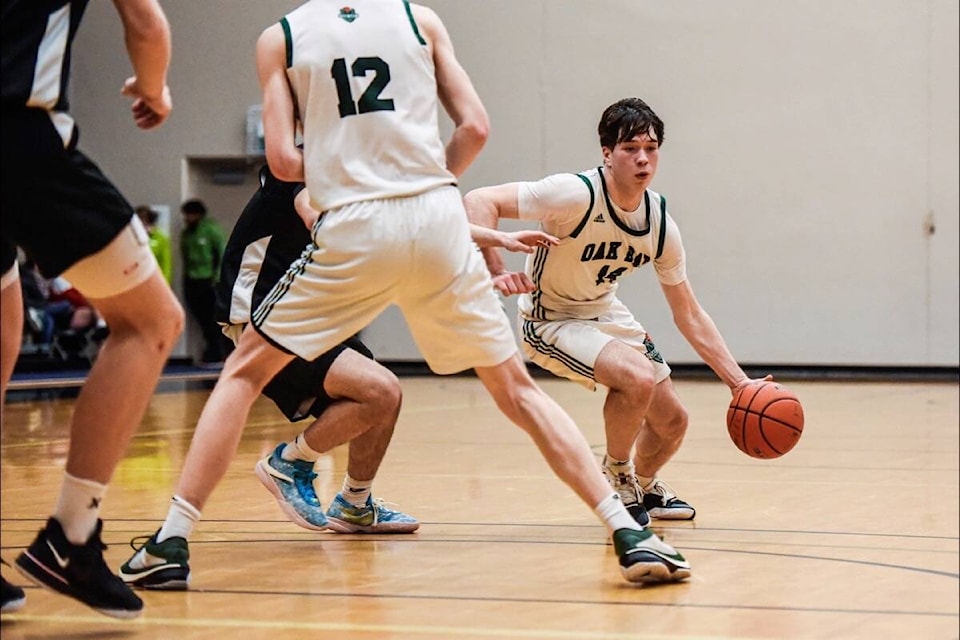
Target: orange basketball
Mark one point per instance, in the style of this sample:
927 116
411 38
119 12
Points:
765 419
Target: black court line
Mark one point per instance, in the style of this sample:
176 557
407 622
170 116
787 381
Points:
558 601
659 525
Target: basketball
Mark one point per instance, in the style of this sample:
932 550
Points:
765 420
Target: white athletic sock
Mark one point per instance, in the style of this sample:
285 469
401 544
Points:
298 449
78 507
614 514
355 492
182 517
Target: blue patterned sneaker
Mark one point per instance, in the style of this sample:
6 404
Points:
291 483
373 517
646 558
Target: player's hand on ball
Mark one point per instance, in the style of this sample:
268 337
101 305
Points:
735 390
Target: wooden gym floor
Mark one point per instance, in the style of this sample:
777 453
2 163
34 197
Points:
853 534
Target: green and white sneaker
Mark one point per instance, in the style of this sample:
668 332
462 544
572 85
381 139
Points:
373 517
646 558
158 565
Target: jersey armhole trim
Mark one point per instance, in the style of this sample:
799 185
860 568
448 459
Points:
413 23
586 215
663 225
288 40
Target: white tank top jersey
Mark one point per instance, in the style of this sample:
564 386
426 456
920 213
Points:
363 81
599 244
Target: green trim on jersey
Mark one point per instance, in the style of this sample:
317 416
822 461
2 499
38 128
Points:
613 216
586 216
663 225
413 23
288 39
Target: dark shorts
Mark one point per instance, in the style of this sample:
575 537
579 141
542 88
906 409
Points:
56 203
298 389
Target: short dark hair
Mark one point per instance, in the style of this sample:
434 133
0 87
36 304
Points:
626 119
194 206
147 214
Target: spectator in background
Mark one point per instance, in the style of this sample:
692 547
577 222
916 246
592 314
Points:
201 246
159 241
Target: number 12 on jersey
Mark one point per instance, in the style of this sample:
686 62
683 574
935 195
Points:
370 99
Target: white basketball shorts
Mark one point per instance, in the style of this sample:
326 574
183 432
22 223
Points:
570 348
414 252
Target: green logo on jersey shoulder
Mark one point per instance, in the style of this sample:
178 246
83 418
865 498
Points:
349 14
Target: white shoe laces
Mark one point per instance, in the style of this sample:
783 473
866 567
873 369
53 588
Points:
663 489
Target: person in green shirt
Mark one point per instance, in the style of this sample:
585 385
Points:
159 241
201 246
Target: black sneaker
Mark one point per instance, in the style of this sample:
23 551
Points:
78 571
662 503
13 596
156 565
646 558
628 487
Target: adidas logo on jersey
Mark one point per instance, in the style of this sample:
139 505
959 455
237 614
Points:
599 218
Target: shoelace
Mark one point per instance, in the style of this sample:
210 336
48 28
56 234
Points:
662 488
134 541
627 482
304 483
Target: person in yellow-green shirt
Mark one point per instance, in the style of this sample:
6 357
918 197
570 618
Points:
159 241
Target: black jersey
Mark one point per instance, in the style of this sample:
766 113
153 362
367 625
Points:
57 204
36 38
267 238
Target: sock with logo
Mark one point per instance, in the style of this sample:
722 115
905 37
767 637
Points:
182 517
356 492
78 507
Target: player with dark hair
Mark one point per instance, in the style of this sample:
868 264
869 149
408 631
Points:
367 81
609 223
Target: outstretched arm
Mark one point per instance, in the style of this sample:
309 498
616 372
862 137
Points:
146 33
699 330
523 241
485 207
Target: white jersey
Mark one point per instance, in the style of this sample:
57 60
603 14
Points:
599 244
363 81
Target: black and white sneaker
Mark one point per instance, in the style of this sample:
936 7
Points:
78 571
662 503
